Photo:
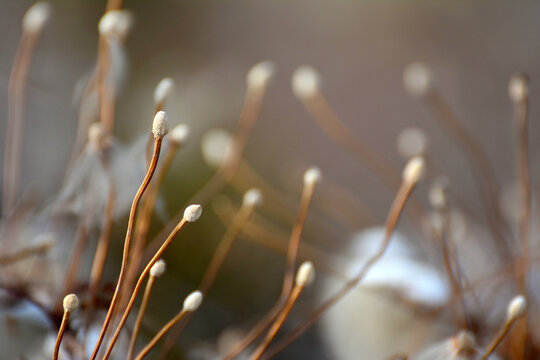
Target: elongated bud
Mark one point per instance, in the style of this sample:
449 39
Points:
36 17
71 303
193 301
96 136
158 268
306 82
414 170
518 88
312 176
437 194
193 213
417 79
163 90
214 146
252 197
260 74
115 23
179 134
411 142
305 274
160 126
516 308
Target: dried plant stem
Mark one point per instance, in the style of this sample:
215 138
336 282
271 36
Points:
161 333
288 279
114 4
140 314
140 281
394 214
209 276
15 120
61 331
336 129
105 91
482 169
25 253
498 339
277 323
127 244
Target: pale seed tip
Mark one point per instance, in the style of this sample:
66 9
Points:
312 176
437 196
158 268
192 213
252 197
115 23
414 170
465 342
163 90
214 146
71 303
411 142
179 134
305 82
260 74
160 126
96 135
193 301
517 307
305 274
518 88
36 17
417 79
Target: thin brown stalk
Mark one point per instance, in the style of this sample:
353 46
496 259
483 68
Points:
25 253
288 279
161 333
498 339
61 331
104 89
127 244
15 124
278 323
140 281
140 314
394 214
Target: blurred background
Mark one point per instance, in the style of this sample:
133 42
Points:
360 49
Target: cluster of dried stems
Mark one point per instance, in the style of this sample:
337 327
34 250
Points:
141 262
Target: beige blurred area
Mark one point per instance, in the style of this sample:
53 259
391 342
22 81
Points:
360 49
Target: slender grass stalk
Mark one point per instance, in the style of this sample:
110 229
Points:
25 253
70 303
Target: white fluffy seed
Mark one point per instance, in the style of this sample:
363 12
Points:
518 88
158 268
192 213
71 303
305 274
193 301
36 17
417 79
312 176
115 23
411 142
96 135
252 197
260 74
305 82
163 90
516 308
414 170
179 134
160 126
215 146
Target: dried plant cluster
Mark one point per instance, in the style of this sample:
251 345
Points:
387 303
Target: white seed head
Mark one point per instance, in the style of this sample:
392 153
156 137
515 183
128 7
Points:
260 74
305 82
36 17
96 135
115 23
312 176
437 196
305 274
158 268
179 134
464 342
160 126
516 308
193 301
163 90
414 170
417 79
518 88
252 197
192 213
214 146
411 142
71 303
